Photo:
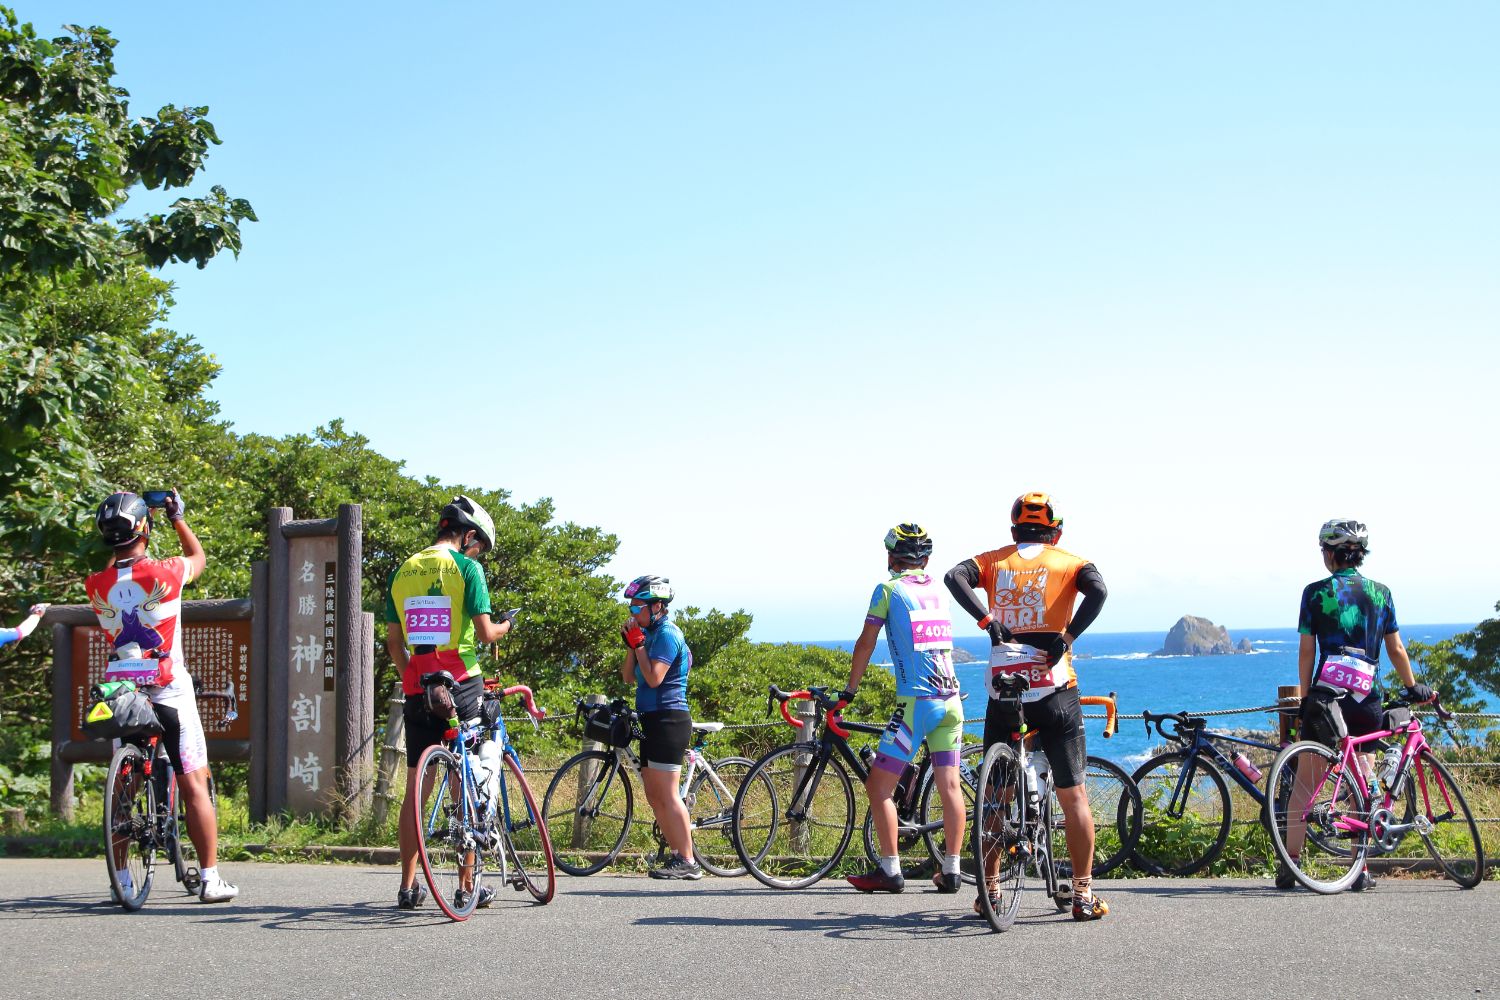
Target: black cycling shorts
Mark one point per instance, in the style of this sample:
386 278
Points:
1360 718
667 734
1057 721
424 730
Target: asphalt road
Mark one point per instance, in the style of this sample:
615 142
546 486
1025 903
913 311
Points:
333 931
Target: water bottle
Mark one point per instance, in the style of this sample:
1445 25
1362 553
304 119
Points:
1031 783
1246 767
1388 765
487 775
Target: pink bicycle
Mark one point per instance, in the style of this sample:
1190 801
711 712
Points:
1328 817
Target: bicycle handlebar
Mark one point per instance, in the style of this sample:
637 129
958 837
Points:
1179 720
826 706
1111 711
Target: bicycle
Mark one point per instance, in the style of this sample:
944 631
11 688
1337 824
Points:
590 803
1186 796
465 821
1017 814
1344 827
144 814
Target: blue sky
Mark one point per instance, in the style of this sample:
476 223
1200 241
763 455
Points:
746 284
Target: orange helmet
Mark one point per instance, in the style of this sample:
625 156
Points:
1035 508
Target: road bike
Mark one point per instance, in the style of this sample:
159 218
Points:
590 803
1018 824
474 814
1188 808
145 814
1328 795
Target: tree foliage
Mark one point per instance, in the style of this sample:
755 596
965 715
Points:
1454 667
71 153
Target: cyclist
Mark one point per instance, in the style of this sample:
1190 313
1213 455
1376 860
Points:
913 611
1344 619
21 631
437 607
1032 587
138 601
657 661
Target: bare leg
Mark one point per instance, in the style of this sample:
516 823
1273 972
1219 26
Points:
1078 822
671 814
202 820
955 815
879 786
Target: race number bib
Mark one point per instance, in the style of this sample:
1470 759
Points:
1019 658
1349 673
931 629
145 673
429 621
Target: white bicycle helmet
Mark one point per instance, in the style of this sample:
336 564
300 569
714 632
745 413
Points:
464 513
1344 532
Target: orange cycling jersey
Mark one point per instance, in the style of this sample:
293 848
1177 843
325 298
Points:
1033 593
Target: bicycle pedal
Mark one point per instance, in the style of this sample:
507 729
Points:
517 883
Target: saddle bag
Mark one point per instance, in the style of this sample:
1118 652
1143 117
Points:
119 710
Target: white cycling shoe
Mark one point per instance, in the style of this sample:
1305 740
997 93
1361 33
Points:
217 890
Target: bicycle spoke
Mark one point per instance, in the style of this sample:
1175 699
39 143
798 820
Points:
791 828
1001 836
448 842
1318 817
587 810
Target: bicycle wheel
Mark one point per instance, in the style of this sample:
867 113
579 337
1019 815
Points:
525 838
447 833
791 826
1330 807
587 809
1444 821
185 852
711 807
930 810
1001 835
1115 804
1185 814
130 837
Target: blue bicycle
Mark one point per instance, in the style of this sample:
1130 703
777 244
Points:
466 822
1185 796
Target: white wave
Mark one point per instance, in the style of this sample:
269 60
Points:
1122 656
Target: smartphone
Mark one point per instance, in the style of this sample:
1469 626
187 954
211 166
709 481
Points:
156 498
509 616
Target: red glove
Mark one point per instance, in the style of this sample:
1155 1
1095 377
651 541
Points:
633 636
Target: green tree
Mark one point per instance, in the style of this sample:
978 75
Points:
71 153
707 634
1454 667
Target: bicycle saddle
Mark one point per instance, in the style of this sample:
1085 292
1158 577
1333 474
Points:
707 727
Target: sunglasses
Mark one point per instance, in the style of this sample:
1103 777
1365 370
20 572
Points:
636 609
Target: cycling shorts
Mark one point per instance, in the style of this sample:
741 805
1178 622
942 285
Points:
182 728
1319 717
423 729
1057 721
666 735
938 721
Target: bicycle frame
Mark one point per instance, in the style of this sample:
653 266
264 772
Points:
1385 834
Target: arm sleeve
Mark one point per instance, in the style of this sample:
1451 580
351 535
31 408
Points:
961 581
390 601
1091 586
880 605
1304 612
476 594
664 647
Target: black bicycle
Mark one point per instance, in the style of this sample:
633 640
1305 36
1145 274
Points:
1186 795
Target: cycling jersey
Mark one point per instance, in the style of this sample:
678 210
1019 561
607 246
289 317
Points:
918 631
1032 589
435 596
9 635
1350 615
138 603
664 644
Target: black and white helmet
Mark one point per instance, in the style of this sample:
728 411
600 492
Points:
122 518
1344 532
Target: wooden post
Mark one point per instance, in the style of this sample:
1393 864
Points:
585 779
391 752
349 739
801 832
62 729
278 638
1288 714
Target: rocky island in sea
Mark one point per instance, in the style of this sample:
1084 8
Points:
1200 637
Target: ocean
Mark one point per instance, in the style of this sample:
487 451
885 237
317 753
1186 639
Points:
1122 662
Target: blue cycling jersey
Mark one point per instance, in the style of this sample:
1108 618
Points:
9 635
665 643
913 607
